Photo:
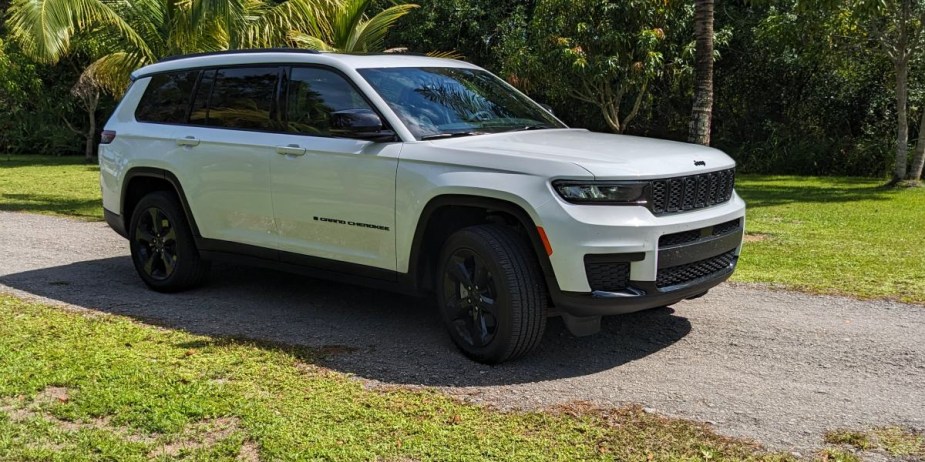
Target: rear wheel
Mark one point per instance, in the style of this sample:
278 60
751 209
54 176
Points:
491 293
162 245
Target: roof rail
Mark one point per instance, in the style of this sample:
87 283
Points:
240 51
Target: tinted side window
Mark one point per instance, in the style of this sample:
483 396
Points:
167 98
313 95
243 98
199 114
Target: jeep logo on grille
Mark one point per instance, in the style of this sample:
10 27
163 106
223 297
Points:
699 163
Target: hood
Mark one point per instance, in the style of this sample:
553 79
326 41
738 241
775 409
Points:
606 156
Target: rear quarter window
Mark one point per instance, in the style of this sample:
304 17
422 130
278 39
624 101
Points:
167 98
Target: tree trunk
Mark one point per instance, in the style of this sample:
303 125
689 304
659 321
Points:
915 172
701 118
91 137
902 130
91 102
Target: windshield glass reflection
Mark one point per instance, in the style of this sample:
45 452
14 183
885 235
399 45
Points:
442 102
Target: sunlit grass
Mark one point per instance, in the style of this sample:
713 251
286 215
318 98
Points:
898 442
89 386
834 235
66 186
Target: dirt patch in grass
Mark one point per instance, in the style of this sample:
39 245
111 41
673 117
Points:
206 433
194 437
756 237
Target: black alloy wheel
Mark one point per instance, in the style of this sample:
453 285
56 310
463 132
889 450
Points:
491 293
156 240
471 298
163 249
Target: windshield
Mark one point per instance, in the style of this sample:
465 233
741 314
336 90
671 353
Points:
443 102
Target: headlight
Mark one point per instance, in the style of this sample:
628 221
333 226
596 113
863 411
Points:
613 193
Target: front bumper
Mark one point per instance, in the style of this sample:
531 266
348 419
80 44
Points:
640 295
654 267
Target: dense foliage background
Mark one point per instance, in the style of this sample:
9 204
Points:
798 90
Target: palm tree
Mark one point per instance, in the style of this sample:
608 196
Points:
123 35
701 119
345 27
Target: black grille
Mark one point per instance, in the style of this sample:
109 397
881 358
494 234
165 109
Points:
609 277
685 273
685 193
679 238
727 227
694 235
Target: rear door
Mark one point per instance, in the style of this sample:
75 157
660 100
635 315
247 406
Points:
225 152
334 198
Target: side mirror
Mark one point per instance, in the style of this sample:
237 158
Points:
361 124
548 108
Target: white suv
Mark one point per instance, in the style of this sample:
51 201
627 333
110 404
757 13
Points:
423 175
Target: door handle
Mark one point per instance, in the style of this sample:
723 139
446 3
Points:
188 141
290 150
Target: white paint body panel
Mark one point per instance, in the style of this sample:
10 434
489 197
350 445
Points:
337 179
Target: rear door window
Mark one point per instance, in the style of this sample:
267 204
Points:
167 98
243 98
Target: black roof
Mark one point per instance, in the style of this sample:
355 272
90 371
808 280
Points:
240 52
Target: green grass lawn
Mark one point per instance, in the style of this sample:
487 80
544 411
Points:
834 235
900 443
825 235
65 186
89 386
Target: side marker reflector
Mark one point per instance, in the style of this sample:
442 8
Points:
545 239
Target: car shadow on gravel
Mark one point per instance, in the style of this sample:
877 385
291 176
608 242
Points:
373 334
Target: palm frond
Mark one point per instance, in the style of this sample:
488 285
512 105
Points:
271 28
370 34
149 19
45 28
346 23
303 40
227 12
446 54
113 71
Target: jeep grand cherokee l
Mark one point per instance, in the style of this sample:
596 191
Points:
423 175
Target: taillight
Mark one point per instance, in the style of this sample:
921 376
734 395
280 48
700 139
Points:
107 136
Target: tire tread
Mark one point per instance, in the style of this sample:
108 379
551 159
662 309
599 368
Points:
524 277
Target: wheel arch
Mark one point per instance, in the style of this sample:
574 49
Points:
139 181
448 213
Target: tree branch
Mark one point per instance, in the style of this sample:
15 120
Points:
71 127
637 104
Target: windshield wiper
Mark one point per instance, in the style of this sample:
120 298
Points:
438 136
530 127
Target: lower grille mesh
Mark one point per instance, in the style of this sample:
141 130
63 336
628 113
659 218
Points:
692 271
608 277
695 235
727 227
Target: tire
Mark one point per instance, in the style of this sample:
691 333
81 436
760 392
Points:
163 250
508 317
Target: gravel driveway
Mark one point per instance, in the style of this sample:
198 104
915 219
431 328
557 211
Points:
775 366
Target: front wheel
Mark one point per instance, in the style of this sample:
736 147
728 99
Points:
162 245
491 293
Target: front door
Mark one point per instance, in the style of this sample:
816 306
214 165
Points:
334 198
